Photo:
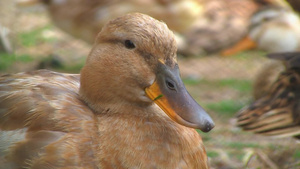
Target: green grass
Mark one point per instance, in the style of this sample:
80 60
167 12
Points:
6 60
296 155
57 64
35 36
205 136
193 81
226 108
249 53
63 67
212 154
241 145
236 84
240 85
73 68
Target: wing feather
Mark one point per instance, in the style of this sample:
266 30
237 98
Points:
275 114
43 121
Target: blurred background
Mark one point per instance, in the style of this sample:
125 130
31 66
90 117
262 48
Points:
222 47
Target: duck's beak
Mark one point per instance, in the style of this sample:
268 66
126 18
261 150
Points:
170 94
245 44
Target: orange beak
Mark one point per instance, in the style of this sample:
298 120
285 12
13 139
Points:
245 44
170 94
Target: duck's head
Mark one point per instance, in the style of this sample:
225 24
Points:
273 29
133 62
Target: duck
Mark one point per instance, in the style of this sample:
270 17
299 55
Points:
201 26
273 29
266 77
86 18
128 107
277 113
222 24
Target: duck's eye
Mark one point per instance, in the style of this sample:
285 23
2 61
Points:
129 44
170 85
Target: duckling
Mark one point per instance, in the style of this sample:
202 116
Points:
277 113
83 19
128 108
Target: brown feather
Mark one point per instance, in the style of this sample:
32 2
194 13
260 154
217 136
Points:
101 118
277 112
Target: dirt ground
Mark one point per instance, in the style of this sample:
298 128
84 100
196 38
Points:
228 147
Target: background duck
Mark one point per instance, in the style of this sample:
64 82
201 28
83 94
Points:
203 26
128 103
222 24
277 113
272 29
84 19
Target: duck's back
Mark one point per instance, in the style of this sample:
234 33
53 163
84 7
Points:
277 113
42 122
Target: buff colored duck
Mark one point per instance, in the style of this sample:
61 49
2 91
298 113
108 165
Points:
128 108
277 113
83 19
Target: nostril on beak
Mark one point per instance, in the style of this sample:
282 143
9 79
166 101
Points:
208 126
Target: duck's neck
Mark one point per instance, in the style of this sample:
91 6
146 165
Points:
142 124
152 136
143 114
118 106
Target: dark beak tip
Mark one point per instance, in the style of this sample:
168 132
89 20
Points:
208 126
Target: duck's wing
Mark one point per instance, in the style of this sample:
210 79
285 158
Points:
278 113
42 121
